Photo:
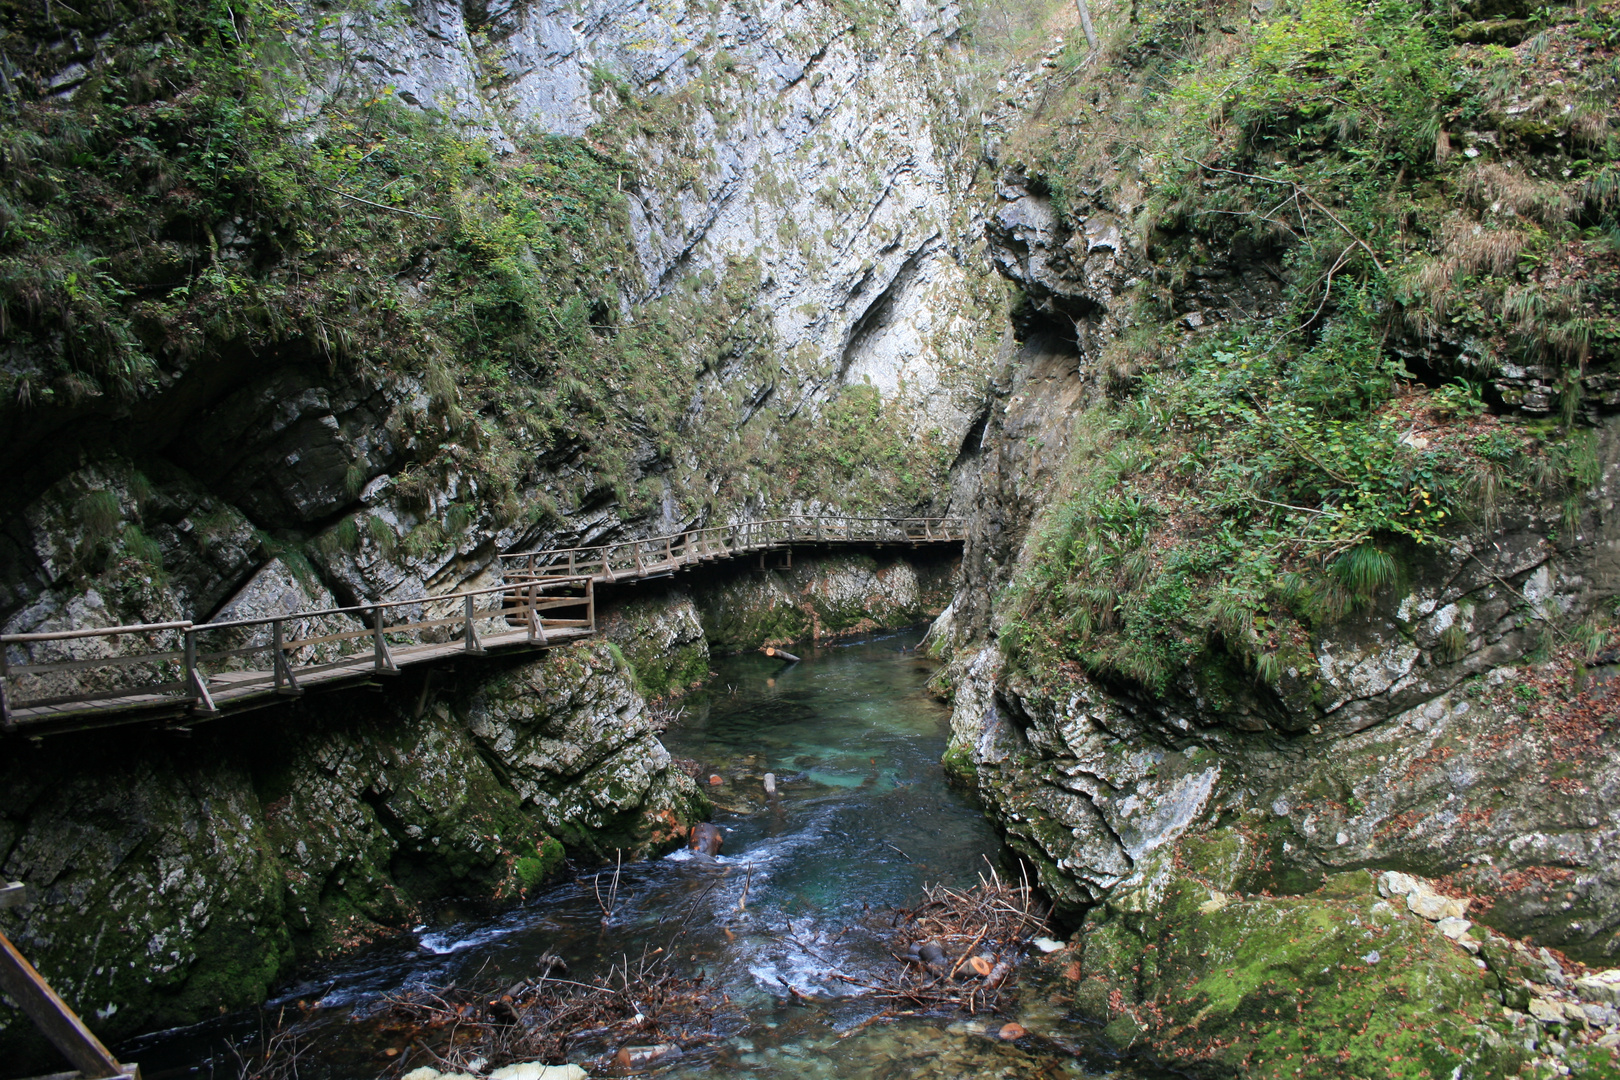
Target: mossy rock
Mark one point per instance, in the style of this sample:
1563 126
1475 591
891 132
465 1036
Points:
1337 983
1507 32
532 871
662 642
959 765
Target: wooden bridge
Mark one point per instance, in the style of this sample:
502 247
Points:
183 672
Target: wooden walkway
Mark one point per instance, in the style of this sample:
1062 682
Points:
181 672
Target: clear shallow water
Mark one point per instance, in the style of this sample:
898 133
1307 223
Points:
863 818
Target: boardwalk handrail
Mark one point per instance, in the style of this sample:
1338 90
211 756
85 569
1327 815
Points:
190 681
656 554
177 671
264 620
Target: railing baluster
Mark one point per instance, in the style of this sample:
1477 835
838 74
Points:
382 659
200 698
473 645
537 630
5 699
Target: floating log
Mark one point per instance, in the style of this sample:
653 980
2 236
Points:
781 654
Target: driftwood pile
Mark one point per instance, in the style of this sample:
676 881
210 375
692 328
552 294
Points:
958 947
637 1014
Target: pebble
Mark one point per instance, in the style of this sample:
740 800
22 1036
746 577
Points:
1601 1015
1395 883
1012 1031
1602 987
1434 907
1548 1012
528 1070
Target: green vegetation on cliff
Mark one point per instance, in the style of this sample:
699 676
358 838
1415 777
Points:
187 185
1443 242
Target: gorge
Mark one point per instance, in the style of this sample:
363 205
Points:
1265 352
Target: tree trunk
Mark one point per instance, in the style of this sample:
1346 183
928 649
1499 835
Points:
1085 24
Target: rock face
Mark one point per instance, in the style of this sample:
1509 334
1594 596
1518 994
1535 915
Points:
819 148
662 638
1447 729
668 637
808 156
822 597
1385 747
581 750
200 870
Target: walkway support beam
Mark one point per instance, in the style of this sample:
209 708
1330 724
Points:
58 1023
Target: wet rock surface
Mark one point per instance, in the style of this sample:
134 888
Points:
823 597
1363 976
198 870
1177 968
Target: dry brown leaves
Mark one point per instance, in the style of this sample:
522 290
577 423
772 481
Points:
958 947
556 1020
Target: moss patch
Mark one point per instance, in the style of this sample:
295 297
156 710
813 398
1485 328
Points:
1335 983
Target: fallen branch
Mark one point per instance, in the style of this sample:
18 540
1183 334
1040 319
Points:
384 206
1299 192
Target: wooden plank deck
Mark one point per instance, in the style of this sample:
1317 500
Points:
533 586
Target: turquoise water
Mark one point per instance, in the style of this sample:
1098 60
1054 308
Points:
863 819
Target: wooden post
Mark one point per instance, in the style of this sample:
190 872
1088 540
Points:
285 682
537 630
636 550
5 699
382 659
590 602
198 685
55 1020
669 551
570 561
473 644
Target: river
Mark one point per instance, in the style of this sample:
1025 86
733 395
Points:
864 818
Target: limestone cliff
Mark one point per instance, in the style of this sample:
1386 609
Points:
625 269
1182 636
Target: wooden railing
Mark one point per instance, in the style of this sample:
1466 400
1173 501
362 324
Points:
63 677
658 555
203 665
